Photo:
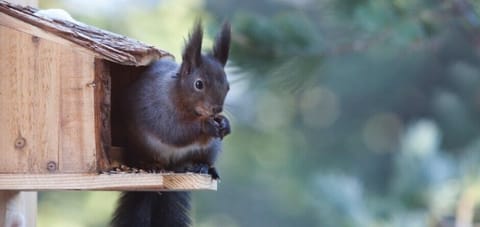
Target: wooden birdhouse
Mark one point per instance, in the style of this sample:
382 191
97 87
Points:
60 88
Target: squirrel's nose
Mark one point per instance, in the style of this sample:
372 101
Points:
217 109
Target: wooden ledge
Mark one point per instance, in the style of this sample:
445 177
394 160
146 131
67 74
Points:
108 182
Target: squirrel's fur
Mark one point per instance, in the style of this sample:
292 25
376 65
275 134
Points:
173 120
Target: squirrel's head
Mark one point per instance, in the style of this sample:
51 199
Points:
202 80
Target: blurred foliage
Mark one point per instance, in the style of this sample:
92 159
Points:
346 113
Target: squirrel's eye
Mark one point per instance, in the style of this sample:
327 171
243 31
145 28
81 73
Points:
199 84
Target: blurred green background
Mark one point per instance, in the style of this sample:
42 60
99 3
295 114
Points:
344 112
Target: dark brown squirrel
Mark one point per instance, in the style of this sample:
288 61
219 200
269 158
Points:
174 123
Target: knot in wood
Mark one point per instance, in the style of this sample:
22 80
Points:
92 84
35 39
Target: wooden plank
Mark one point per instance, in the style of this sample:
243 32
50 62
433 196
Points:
29 98
108 182
18 208
13 160
44 95
77 115
177 182
103 88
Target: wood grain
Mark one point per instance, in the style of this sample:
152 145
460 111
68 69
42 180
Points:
77 115
106 182
103 87
29 98
47 99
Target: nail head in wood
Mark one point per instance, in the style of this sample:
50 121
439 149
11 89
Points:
20 142
51 166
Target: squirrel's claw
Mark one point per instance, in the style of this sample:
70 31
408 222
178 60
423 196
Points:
198 168
213 172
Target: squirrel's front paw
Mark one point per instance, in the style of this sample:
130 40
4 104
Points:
223 125
217 126
211 127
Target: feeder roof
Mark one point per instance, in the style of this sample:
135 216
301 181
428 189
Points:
106 45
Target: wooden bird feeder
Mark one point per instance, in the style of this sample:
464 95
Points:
60 89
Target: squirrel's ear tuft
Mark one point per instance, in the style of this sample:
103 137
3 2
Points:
192 54
222 44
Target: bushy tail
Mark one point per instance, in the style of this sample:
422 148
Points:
152 209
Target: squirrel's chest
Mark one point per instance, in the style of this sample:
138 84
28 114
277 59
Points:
170 152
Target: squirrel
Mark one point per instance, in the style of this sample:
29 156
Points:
173 119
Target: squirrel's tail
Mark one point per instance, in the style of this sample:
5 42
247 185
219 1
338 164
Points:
152 209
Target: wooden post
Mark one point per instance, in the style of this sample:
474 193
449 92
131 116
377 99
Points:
17 208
